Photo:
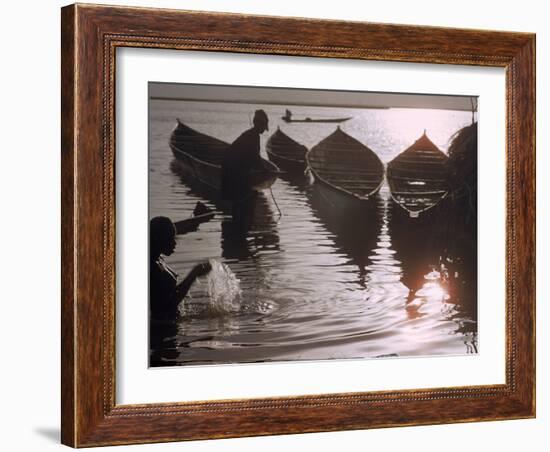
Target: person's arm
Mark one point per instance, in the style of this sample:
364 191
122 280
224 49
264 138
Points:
182 288
256 161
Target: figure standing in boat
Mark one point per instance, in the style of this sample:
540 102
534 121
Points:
240 159
288 116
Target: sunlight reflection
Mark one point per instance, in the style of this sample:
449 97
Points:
432 297
434 287
432 291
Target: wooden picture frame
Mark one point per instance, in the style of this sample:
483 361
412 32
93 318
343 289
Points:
90 36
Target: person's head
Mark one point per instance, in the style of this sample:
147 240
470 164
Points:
162 237
260 121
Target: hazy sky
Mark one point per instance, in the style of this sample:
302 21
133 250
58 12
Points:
293 96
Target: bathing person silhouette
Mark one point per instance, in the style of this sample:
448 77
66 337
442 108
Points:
242 156
165 292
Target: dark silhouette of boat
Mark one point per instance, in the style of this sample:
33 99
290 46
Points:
426 231
200 156
419 177
288 118
347 172
286 153
463 180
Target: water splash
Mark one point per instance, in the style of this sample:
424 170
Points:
224 289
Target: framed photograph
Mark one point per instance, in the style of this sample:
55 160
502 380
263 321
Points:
282 225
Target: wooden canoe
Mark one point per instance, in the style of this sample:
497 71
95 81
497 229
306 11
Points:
347 170
463 167
200 156
463 181
318 120
286 153
288 119
419 177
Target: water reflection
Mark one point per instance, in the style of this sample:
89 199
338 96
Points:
439 268
253 234
353 231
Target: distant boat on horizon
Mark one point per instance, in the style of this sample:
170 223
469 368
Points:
288 118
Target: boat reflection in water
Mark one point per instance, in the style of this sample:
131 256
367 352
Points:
411 281
439 268
352 230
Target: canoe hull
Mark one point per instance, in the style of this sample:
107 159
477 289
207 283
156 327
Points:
326 121
348 173
431 219
419 178
207 172
286 153
294 167
463 166
342 203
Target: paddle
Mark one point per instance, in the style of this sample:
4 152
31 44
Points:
277 172
201 214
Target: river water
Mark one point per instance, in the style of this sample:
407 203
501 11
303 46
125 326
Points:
309 285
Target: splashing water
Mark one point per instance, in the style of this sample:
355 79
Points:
224 289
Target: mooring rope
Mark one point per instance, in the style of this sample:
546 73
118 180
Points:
276 205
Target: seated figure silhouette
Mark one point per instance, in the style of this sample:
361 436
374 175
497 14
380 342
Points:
165 290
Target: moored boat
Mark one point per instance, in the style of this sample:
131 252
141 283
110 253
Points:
463 172
200 156
286 153
347 171
419 177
